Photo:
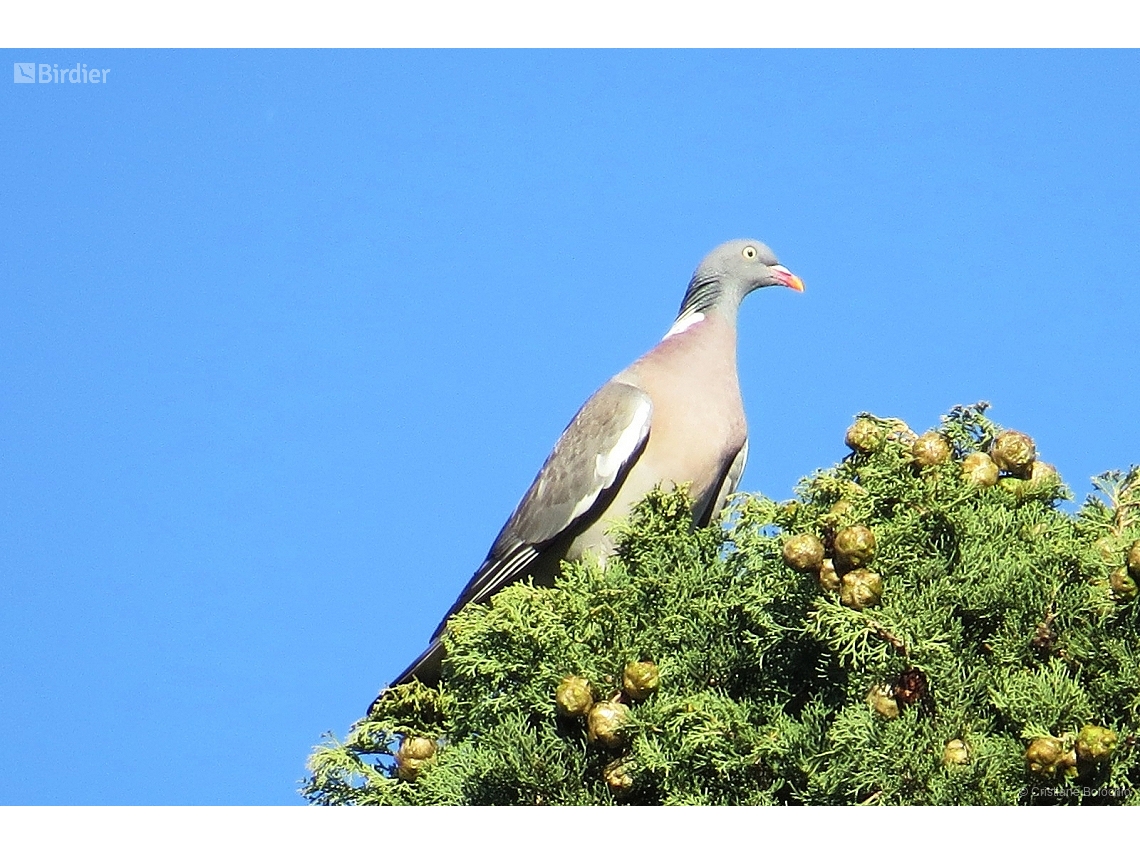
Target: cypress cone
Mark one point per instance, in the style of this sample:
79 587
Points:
828 576
640 680
955 753
979 469
865 436
1123 584
882 701
618 777
1014 452
1047 755
606 721
854 547
803 552
1095 744
574 697
411 757
930 449
860 589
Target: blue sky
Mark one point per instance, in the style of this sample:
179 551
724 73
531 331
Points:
284 336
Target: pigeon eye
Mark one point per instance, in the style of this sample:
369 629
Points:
749 252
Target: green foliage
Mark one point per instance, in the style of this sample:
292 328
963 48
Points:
1002 619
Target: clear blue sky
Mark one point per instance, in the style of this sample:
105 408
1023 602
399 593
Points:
284 336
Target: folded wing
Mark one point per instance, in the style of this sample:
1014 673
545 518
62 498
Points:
578 479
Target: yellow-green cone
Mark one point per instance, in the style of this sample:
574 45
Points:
605 723
882 701
804 552
1046 755
865 436
930 449
640 680
1123 584
412 755
573 697
828 577
854 547
1014 452
860 589
955 753
1095 744
979 470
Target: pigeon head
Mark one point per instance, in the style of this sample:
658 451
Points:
730 272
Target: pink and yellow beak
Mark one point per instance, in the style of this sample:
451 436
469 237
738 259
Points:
786 277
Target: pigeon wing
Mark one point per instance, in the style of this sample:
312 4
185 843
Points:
586 467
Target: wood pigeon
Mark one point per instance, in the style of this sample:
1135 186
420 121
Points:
674 416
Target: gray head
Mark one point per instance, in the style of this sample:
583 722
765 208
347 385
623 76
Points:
730 272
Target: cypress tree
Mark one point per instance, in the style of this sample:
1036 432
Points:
923 624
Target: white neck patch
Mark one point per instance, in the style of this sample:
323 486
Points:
684 323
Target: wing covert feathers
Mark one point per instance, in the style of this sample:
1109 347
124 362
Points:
593 454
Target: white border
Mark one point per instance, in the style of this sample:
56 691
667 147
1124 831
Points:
552 831
580 23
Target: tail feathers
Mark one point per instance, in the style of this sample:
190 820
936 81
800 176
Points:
426 668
